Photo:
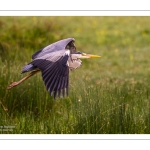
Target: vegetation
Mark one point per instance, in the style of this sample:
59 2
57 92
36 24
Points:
110 95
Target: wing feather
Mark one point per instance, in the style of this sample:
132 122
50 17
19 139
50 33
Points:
57 46
55 74
49 76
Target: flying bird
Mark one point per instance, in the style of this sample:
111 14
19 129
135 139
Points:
55 61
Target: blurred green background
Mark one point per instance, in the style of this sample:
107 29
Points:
110 95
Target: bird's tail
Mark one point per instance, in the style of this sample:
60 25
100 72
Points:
28 67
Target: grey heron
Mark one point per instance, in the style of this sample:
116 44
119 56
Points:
55 61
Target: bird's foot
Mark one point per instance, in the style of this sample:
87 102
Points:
12 85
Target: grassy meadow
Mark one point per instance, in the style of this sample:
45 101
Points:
107 95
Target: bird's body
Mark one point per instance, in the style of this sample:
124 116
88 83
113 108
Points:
52 53
55 62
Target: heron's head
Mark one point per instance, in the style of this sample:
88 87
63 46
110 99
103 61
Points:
84 55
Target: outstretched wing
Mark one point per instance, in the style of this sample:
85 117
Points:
55 72
57 46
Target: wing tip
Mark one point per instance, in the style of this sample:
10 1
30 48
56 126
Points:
61 93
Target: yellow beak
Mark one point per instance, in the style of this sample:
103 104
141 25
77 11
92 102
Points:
84 55
93 56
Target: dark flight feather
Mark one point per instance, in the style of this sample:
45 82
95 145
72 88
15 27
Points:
56 76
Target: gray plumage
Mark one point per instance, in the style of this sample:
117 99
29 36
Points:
55 61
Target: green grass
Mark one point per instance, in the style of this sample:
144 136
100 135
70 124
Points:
110 95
